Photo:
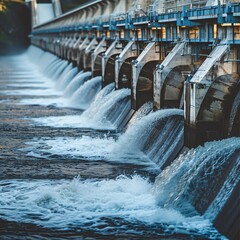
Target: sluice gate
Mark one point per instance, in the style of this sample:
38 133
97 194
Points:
172 54
157 54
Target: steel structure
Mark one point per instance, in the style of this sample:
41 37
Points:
176 53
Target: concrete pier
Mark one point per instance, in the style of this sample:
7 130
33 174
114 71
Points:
114 91
174 55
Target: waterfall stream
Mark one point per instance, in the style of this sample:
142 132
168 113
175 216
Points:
78 172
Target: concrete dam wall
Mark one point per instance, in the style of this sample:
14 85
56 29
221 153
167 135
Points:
163 55
172 54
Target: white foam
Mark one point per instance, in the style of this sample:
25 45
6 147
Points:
38 84
70 121
127 149
95 117
32 92
86 203
40 87
86 148
55 101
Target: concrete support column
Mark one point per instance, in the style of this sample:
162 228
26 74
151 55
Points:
87 53
70 47
66 46
107 55
129 51
80 52
158 81
147 55
203 119
63 39
102 46
75 49
191 108
194 94
179 56
115 48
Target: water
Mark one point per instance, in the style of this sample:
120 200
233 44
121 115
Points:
66 79
107 207
144 110
83 97
197 177
108 109
76 82
68 174
105 112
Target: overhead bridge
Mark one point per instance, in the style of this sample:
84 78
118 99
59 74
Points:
175 55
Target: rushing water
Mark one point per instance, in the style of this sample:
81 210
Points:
75 177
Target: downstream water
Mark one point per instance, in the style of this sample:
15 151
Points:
66 172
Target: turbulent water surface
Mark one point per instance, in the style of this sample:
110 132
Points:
68 175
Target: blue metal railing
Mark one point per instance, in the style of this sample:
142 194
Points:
168 16
220 14
202 12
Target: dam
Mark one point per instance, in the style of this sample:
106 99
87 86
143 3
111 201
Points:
122 121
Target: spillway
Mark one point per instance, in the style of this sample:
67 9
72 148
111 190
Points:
121 120
172 206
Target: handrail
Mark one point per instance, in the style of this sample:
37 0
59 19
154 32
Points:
111 22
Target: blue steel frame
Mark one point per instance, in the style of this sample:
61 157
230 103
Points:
220 14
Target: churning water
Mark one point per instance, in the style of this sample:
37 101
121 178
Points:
127 185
